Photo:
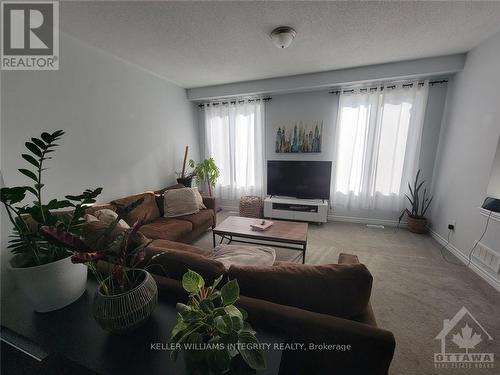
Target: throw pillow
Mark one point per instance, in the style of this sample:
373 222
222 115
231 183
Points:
179 202
199 198
239 255
94 229
147 210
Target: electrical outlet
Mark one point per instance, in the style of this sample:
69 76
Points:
452 225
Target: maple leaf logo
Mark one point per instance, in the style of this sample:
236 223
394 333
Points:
466 340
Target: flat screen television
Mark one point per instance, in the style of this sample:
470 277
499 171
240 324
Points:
299 179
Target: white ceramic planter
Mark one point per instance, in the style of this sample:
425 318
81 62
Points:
51 286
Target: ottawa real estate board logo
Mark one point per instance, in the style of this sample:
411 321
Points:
30 35
464 343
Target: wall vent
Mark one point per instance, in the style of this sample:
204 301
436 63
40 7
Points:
488 257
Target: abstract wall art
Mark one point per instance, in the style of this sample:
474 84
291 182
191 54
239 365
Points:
298 136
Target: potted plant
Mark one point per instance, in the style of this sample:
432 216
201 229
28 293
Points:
126 296
44 271
417 223
212 331
206 171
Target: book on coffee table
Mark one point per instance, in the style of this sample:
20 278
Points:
261 225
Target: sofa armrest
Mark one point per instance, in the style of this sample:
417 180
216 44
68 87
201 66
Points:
371 348
209 202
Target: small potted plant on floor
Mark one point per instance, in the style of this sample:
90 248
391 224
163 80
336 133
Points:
44 271
206 172
223 342
417 223
126 296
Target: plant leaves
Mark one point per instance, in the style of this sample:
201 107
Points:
62 238
230 292
253 357
12 195
231 310
223 324
39 143
46 137
33 148
30 159
29 174
192 282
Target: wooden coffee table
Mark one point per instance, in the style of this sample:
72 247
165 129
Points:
283 234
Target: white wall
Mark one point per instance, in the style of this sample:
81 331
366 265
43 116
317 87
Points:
471 128
324 106
126 128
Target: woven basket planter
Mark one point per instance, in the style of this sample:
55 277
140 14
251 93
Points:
251 206
124 312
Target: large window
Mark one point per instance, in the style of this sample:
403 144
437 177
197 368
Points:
234 138
377 146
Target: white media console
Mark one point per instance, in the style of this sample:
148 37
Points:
315 210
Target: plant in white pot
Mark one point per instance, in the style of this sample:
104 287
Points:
417 223
43 271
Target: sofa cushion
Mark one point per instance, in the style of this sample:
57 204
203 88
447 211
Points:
147 209
342 290
166 229
175 263
204 218
179 202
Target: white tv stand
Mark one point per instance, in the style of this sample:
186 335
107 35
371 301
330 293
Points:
315 210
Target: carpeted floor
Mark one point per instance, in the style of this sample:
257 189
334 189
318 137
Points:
414 289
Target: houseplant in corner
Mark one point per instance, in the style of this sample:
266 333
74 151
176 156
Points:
417 223
126 296
43 271
213 332
206 171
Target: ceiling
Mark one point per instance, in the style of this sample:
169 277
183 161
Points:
206 43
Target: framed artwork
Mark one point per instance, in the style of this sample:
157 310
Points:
297 137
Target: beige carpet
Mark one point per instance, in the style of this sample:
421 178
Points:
414 289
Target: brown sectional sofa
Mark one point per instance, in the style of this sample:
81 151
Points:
180 229
309 304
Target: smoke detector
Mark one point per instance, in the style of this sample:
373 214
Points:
282 36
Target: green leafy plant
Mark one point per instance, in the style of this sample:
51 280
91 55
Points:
122 252
213 332
27 219
206 171
419 205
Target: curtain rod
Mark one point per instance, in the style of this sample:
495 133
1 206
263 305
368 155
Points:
234 101
388 86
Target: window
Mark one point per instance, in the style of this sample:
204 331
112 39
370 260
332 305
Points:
234 135
377 146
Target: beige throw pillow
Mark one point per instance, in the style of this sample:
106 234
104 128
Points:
199 199
180 202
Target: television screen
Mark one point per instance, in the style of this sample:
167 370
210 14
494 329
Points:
299 179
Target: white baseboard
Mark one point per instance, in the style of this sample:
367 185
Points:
365 220
474 266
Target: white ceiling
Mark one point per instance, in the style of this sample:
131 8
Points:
206 43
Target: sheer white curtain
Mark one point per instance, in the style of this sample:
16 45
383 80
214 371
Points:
378 141
235 139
